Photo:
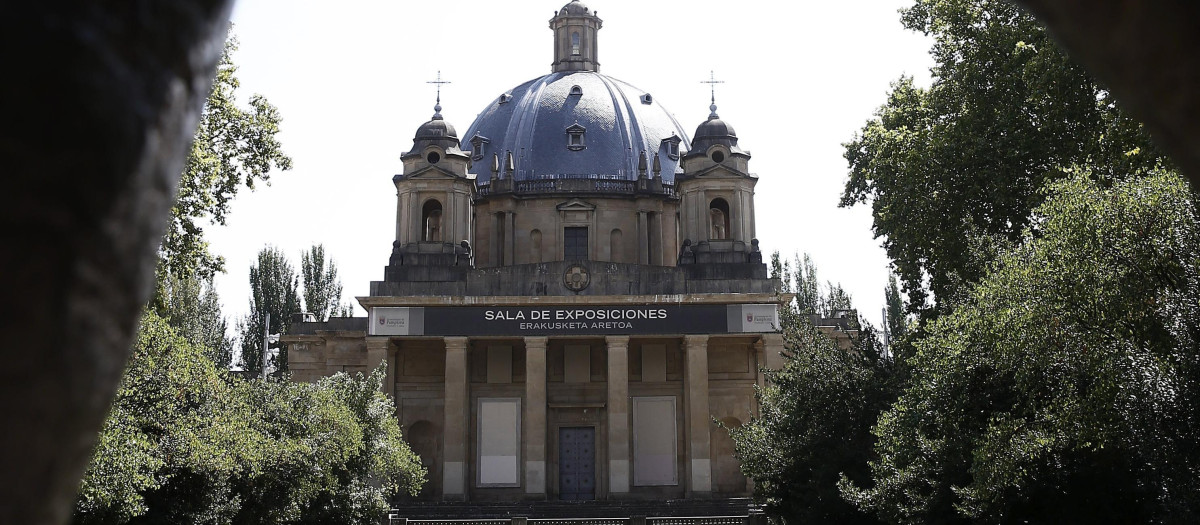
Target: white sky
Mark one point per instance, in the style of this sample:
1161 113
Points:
349 78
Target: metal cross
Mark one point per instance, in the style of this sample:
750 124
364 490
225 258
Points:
712 84
439 83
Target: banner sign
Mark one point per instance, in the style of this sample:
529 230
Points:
574 320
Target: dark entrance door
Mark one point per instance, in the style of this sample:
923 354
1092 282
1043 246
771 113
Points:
577 463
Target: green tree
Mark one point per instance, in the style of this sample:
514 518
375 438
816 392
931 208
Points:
322 288
954 171
897 313
1066 385
273 291
234 146
173 424
815 414
193 309
187 443
811 298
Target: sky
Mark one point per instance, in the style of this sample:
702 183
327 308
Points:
350 80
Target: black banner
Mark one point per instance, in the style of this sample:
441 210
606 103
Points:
575 320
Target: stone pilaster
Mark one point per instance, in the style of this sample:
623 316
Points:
618 414
510 241
773 348
535 416
454 467
698 418
642 235
380 351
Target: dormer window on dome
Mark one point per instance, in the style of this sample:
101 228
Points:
478 145
575 134
671 146
505 97
646 98
576 91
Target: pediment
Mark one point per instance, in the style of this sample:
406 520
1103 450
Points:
721 171
432 172
576 205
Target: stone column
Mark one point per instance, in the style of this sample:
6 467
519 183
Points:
379 351
773 348
618 414
454 450
698 417
534 435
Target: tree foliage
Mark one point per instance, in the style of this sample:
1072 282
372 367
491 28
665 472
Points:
273 290
193 309
234 147
1066 386
954 171
799 277
815 414
186 443
322 288
897 313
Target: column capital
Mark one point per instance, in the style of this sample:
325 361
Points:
772 339
378 341
456 343
616 340
695 341
536 342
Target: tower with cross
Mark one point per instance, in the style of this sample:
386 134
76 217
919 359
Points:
716 186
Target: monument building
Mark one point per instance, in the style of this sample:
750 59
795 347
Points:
574 295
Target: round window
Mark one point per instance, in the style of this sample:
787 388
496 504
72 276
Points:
433 157
718 156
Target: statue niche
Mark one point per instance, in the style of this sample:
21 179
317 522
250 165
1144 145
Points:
718 219
431 221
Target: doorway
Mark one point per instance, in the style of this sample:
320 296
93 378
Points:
577 463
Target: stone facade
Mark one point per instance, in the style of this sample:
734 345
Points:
575 294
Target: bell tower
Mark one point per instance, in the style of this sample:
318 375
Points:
716 191
575 27
433 200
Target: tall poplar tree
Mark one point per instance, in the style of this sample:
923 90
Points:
897 314
322 288
273 290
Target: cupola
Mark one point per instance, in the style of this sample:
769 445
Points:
575 27
714 131
436 132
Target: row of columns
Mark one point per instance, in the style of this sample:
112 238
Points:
697 416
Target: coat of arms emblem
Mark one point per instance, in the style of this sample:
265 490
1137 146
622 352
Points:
576 278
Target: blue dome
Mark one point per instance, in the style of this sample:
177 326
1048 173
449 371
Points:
575 124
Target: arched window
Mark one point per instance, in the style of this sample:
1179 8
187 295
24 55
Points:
535 238
575 43
431 221
616 248
718 211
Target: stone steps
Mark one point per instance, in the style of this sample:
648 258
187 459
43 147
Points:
574 509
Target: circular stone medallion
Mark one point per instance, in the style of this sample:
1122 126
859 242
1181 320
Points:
576 278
